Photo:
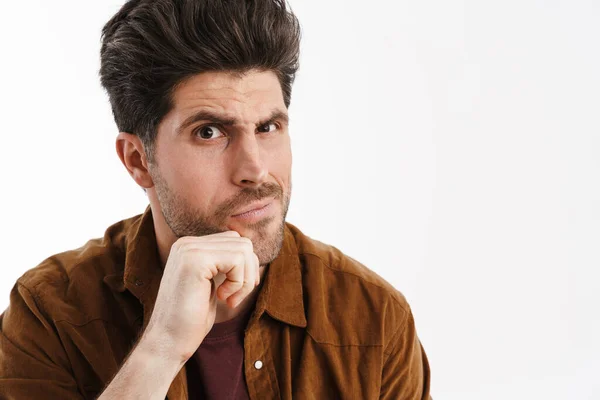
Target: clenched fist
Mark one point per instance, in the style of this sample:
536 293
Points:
186 304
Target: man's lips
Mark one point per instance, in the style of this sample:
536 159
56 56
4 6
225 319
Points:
253 206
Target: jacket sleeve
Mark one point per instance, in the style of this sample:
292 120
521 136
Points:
406 374
33 363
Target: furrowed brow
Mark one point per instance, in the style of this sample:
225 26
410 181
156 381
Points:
207 116
276 115
223 120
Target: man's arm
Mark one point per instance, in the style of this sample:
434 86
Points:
33 364
146 374
406 374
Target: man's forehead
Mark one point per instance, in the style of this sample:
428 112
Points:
246 99
225 86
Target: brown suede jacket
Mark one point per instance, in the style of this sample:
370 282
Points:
324 326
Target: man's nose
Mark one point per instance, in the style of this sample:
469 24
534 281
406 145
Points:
249 167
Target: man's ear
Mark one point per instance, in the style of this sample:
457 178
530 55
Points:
131 152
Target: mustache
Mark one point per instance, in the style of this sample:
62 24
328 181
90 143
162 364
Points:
248 195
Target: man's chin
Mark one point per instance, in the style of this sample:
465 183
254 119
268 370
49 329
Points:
267 240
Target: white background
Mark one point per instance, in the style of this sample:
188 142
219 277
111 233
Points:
451 146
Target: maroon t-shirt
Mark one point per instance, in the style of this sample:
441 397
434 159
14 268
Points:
216 370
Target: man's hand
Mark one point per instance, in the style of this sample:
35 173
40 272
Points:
186 304
185 310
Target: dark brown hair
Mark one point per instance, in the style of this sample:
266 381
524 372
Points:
151 46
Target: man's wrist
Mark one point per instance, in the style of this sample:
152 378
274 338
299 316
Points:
147 373
158 350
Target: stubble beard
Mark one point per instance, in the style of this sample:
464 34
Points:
184 220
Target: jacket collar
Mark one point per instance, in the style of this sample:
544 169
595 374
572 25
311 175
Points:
143 271
281 296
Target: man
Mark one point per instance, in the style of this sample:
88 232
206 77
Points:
209 293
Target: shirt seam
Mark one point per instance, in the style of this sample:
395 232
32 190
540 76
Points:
40 300
399 331
35 292
84 323
340 345
41 305
273 379
326 264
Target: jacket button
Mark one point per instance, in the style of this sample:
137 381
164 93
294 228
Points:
258 364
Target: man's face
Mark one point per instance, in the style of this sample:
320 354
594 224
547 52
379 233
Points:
223 146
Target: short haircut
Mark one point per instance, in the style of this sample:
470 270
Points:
151 46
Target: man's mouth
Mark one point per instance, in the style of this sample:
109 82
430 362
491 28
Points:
254 208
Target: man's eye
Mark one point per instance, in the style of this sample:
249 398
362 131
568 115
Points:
267 127
209 132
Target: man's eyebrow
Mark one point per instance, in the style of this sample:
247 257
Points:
205 115
276 115
224 120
